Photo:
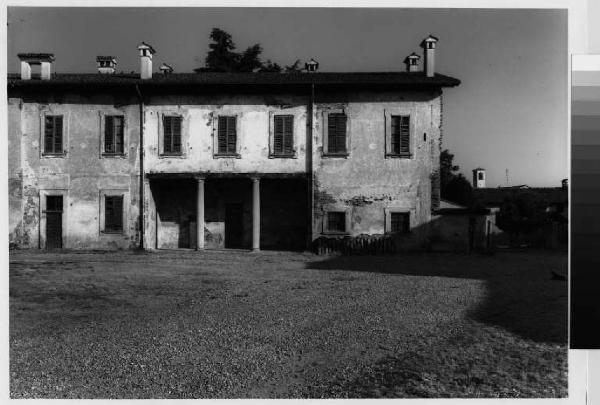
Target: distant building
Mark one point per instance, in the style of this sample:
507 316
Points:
221 160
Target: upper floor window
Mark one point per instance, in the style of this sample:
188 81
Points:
227 136
283 135
113 135
336 134
400 135
53 134
172 135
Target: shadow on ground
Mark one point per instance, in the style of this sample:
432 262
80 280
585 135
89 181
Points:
521 295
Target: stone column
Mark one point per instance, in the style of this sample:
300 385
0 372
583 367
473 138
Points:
255 214
200 214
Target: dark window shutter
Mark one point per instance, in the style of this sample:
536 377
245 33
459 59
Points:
288 134
49 134
168 135
395 135
278 135
119 134
58 134
404 135
336 133
176 134
109 135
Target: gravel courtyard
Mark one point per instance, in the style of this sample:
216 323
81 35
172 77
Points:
227 324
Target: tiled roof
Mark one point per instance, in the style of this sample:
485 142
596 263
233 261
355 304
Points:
491 197
266 78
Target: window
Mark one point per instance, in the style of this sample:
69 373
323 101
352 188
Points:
172 135
400 135
227 136
336 133
53 134
400 222
336 221
113 135
480 176
113 213
283 135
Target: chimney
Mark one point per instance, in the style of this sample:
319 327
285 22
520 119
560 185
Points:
44 60
106 64
146 52
428 45
479 178
311 66
166 69
412 62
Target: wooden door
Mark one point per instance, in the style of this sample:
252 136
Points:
54 212
234 226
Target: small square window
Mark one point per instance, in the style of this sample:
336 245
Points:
336 221
400 222
53 134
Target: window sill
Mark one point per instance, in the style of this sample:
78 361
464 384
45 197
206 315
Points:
399 155
227 155
336 155
54 155
172 155
112 232
335 233
113 155
283 156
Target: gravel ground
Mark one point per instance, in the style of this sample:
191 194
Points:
182 324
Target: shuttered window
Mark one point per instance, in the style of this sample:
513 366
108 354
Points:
336 133
336 221
400 135
227 135
172 135
113 134
283 134
53 134
113 213
400 222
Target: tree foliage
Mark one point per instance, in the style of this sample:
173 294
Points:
222 57
522 212
454 186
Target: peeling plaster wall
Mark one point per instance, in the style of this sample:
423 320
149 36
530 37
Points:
366 182
199 125
81 174
15 183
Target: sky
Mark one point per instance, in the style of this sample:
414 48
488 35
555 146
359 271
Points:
509 115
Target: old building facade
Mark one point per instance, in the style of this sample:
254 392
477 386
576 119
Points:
221 160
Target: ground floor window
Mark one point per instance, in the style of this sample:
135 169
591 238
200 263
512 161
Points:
336 221
113 213
400 222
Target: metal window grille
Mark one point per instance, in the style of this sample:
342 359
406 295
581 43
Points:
113 213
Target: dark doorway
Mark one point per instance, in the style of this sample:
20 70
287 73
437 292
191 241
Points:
234 225
54 211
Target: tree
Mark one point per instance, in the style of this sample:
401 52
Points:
447 169
522 212
458 190
222 57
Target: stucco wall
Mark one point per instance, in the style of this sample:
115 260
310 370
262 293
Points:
81 175
199 125
366 182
